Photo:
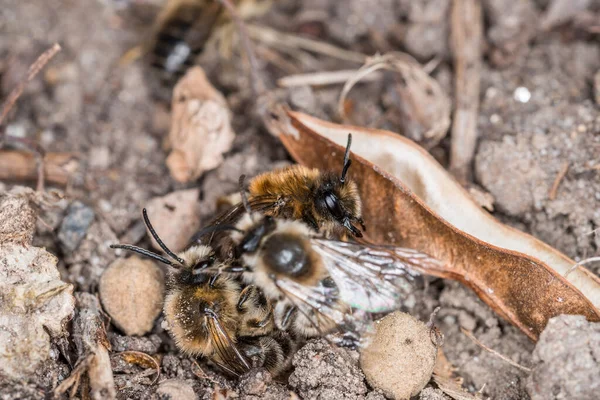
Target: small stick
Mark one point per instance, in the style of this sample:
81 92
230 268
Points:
23 166
14 95
142 359
466 39
323 78
559 177
470 335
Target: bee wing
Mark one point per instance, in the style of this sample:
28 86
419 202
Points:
227 354
370 277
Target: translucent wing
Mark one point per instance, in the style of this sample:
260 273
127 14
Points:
370 277
227 355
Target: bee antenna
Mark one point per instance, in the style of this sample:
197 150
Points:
143 252
158 240
347 160
245 201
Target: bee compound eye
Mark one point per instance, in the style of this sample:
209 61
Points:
333 205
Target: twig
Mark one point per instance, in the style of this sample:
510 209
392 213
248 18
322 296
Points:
559 177
466 39
14 95
580 263
322 78
22 166
470 335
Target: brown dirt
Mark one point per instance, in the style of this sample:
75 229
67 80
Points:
86 102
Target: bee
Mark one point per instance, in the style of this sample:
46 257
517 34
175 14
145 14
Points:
212 314
324 201
180 33
316 282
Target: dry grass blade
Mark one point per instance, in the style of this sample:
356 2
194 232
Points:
559 177
34 69
322 78
415 203
21 166
466 38
470 335
279 39
423 99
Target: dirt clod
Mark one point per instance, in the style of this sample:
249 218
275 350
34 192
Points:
567 360
401 357
17 217
132 293
175 218
323 373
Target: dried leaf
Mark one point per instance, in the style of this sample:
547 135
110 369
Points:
200 129
409 200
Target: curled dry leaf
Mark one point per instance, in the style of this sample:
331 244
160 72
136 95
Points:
409 200
200 127
419 102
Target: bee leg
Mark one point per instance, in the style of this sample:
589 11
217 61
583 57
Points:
245 295
310 221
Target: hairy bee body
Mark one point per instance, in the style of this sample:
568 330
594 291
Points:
309 195
213 314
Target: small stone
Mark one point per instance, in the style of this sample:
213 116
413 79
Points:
132 293
175 218
401 357
566 360
255 382
175 389
75 226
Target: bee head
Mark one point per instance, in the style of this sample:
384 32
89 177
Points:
337 199
191 263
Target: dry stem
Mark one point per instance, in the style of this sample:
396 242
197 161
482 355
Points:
89 335
559 177
466 39
23 166
14 95
470 335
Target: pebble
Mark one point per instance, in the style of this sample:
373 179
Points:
75 226
175 389
132 293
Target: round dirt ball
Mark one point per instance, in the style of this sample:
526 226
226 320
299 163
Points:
400 358
132 293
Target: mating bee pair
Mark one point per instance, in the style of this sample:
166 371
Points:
274 271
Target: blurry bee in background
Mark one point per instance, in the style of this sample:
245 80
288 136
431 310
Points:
182 31
316 282
328 203
210 314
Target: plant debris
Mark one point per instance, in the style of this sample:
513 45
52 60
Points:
406 183
200 127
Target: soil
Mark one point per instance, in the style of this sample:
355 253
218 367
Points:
538 113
